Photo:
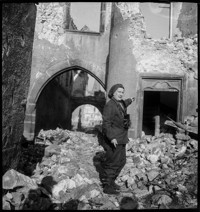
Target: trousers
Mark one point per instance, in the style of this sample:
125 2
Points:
115 160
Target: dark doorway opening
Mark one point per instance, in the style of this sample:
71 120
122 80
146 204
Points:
157 107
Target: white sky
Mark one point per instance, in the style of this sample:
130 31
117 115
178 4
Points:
86 13
156 19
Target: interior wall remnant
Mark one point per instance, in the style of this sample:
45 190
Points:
187 20
80 81
122 61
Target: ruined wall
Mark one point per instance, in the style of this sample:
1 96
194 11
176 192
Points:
56 49
18 21
54 44
140 55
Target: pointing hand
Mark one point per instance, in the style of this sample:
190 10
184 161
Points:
114 142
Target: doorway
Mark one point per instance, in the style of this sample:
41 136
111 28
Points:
157 107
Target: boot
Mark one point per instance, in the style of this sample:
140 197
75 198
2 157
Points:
115 186
109 189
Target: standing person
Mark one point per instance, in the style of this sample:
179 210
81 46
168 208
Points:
115 126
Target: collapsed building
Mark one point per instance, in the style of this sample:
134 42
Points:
49 64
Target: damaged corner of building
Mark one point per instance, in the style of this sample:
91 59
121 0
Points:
59 61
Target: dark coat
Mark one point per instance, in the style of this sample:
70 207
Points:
113 121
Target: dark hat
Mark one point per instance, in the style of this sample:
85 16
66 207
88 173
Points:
113 89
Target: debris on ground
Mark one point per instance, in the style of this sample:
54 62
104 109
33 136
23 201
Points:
60 171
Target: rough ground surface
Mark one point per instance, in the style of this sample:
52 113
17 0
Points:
61 172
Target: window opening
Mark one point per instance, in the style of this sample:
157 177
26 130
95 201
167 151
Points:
157 17
84 16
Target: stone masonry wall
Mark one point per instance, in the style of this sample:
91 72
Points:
18 21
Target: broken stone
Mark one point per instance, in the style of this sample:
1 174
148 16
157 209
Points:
64 160
153 158
83 199
68 170
6 204
181 152
79 180
94 193
182 136
12 179
152 174
164 199
130 181
136 159
52 149
63 185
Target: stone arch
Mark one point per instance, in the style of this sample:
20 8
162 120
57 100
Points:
39 84
100 109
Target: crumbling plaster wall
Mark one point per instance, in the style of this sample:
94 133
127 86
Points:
56 49
142 55
18 21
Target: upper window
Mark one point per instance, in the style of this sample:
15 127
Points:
84 16
157 19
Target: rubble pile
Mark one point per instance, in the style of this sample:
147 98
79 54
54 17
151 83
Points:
159 171
162 163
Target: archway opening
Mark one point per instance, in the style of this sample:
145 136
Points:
86 118
63 94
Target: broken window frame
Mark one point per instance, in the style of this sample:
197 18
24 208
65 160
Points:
170 6
67 21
